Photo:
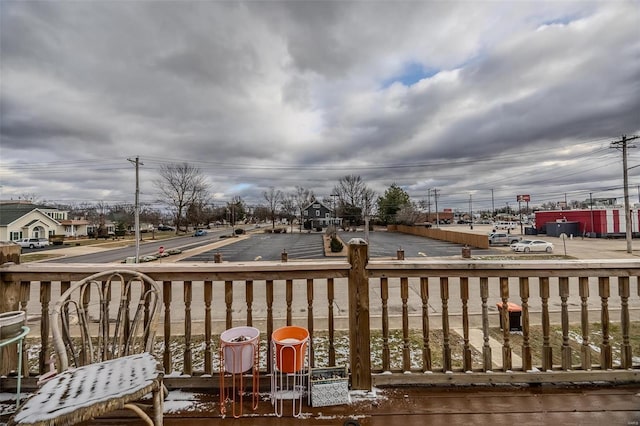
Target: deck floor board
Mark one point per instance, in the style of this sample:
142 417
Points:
413 406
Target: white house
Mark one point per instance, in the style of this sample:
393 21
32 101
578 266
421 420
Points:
22 219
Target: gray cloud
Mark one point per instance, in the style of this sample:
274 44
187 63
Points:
261 94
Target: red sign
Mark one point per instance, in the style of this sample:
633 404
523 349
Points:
161 249
523 198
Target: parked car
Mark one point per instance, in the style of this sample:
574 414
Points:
166 228
503 239
527 246
200 233
33 242
509 226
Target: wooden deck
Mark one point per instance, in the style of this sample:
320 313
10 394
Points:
485 405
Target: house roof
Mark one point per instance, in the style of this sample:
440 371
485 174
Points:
317 202
11 212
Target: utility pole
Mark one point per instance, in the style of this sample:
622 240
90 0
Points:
591 203
137 206
493 206
622 144
471 210
520 213
335 209
435 194
429 204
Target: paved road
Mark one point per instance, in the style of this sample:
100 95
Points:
148 247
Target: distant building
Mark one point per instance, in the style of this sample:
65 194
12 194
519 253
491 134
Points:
602 222
317 215
444 217
610 202
23 219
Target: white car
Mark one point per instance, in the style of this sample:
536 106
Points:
527 246
33 242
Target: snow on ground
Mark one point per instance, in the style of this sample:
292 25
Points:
182 401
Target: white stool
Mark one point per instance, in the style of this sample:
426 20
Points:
290 368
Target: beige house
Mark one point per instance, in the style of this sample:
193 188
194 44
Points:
22 219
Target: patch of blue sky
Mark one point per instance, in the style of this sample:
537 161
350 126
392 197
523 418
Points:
241 187
560 21
411 74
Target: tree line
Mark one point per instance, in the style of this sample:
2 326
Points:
189 203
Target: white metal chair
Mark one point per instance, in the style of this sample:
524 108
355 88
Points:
103 331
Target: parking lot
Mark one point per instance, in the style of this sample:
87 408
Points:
263 246
382 244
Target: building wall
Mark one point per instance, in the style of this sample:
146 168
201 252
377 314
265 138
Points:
606 222
318 215
44 226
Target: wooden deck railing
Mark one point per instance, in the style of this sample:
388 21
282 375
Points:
407 322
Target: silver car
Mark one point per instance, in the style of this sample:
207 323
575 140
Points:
527 246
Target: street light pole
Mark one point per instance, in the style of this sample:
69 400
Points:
335 213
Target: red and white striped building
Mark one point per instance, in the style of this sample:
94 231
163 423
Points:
604 222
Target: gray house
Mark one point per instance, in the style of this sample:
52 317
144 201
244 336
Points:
316 216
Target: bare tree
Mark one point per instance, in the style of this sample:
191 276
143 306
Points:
408 214
123 215
303 197
236 212
196 212
102 209
273 197
32 197
289 208
354 197
260 214
368 204
181 185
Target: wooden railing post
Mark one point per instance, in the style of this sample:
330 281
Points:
9 301
625 325
606 354
359 331
585 348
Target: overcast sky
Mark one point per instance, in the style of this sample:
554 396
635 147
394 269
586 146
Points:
465 97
